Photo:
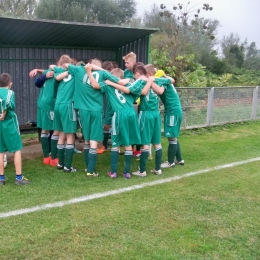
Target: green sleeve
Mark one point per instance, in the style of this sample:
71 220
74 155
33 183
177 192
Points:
137 87
111 77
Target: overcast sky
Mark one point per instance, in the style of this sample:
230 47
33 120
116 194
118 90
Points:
237 16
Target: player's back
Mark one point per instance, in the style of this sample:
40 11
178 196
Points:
7 102
171 100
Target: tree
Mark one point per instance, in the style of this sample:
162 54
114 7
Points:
252 60
102 11
252 51
233 50
153 19
20 8
63 10
184 38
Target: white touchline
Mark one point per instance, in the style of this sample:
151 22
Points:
118 191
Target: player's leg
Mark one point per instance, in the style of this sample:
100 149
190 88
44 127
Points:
2 176
45 146
158 159
84 123
46 118
61 151
43 137
115 140
54 152
179 159
113 162
172 125
92 159
127 161
20 179
96 135
131 134
69 151
69 126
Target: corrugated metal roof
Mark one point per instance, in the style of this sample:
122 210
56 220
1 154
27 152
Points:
38 32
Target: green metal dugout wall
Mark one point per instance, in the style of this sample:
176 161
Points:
29 44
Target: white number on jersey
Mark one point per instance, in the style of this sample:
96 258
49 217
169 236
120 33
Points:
87 80
68 78
120 96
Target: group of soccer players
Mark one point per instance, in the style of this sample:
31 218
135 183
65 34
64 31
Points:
73 94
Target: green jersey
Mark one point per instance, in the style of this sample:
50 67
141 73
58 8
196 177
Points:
65 88
120 100
85 96
47 96
41 91
171 100
7 102
128 74
150 101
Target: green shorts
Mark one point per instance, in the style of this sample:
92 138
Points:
10 139
125 130
45 119
150 127
172 125
65 119
91 124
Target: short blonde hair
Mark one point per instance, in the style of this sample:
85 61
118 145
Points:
64 59
130 56
118 73
97 62
150 68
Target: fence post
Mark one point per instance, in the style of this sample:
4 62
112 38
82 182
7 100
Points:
210 106
254 103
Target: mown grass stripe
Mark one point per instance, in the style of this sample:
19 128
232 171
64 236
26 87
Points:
118 191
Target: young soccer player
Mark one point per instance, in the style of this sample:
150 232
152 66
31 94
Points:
150 123
45 116
89 103
65 120
108 113
172 120
10 139
130 60
124 122
137 151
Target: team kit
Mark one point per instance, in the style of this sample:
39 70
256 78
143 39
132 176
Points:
101 100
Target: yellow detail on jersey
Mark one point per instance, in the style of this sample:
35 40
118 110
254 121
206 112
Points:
159 74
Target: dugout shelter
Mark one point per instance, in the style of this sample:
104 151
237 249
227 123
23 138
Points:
26 44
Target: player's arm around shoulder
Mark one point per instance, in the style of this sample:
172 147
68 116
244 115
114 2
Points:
117 86
123 82
157 89
34 72
168 77
93 81
61 76
148 84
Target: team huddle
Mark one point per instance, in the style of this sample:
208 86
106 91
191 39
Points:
73 95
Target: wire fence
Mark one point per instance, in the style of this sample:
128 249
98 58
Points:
219 105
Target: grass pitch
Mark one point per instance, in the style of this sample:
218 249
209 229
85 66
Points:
209 216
